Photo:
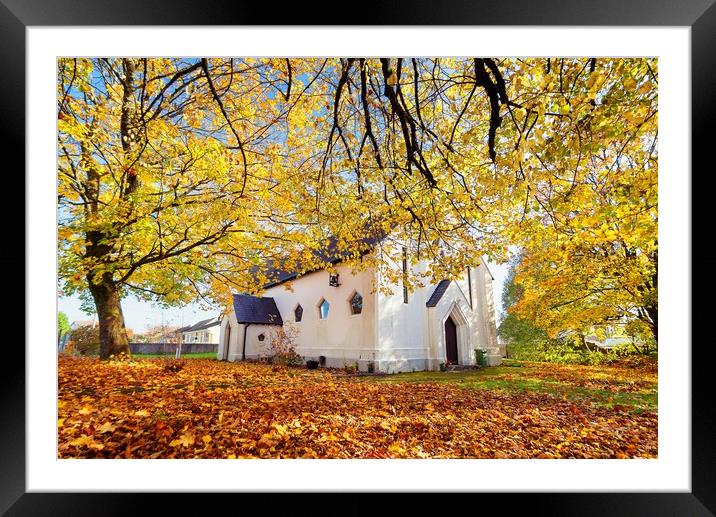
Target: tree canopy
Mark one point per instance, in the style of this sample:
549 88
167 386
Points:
178 177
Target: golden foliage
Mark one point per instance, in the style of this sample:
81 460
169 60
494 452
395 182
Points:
178 177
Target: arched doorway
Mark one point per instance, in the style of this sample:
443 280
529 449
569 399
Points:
451 341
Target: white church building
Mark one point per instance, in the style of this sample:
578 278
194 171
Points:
340 322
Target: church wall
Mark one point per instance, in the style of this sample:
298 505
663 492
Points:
343 338
388 334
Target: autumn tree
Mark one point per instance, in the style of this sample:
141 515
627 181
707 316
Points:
180 178
590 237
162 165
63 325
521 335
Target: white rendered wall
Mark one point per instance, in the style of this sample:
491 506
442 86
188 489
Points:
487 307
254 347
343 338
403 343
389 333
234 352
412 337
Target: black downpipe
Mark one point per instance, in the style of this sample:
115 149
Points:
243 350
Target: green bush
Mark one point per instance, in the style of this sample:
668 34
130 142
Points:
569 352
480 357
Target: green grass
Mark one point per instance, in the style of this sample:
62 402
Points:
516 377
203 355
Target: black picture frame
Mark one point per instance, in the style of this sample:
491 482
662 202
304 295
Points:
699 15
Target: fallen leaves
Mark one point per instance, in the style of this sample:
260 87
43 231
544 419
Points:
185 440
213 409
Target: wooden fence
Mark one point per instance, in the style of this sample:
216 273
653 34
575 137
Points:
170 348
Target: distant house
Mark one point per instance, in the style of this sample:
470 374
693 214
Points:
612 336
206 331
608 343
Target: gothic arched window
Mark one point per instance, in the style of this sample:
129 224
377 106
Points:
323 309
356 303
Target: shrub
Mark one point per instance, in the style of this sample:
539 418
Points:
480 357
281 348
85 340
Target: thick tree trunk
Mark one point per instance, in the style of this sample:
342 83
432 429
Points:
112 333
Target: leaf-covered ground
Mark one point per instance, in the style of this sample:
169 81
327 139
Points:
212 409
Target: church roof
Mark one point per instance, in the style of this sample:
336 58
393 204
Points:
438 293
330 254
255 309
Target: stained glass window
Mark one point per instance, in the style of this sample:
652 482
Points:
323 309
356 303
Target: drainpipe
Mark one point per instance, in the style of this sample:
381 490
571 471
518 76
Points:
243 350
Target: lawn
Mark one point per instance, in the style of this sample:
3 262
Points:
213 409
622 386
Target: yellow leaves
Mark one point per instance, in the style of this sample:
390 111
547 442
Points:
85 411
86 441
388 426
187 439
545 82
195 182
396 448
629 83
268 441
645 88
595 80
289 416
107 427
141 413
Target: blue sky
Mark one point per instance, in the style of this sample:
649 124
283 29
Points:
139 315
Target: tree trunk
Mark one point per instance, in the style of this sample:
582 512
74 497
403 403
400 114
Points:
112 333
653 313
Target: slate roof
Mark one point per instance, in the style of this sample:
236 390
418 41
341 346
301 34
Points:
329 254
254 309
203 324
437 293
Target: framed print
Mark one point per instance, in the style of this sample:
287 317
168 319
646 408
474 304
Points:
217 201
